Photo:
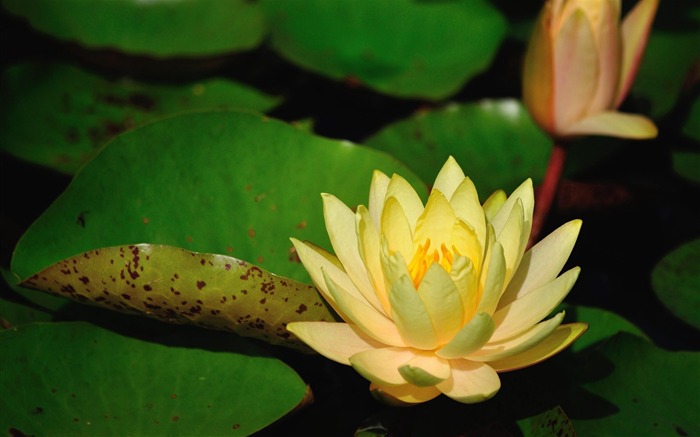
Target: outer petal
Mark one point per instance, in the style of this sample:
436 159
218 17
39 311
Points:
316 263
443 302
576 70
606 15
368 319
538 72
408 198
449 177
470 382
523 313
341 226
614 124
370 250
493 280
381 366
635 33
404 394
336 341
425 370
511 239
377 196
471 338
515 345
563 336
526 195
543 262
411 316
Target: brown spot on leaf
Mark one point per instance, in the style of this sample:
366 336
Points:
301 308
302 224
201 284
251 233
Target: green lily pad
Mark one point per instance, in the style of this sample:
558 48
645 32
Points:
635 388
692 123
496 141
405 48
676 282
92 381
551 422
79 111
160 28
668 59
177 286
219 182
602 325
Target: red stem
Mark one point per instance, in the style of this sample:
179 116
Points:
547 191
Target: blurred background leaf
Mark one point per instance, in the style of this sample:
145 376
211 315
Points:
158 28
406 48
79 111
676 281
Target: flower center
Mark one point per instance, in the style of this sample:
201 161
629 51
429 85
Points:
424 258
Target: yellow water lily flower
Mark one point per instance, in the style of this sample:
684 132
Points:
580 65
439 298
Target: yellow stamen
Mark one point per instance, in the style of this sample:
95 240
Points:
423 259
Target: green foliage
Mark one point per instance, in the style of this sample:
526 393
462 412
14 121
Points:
79 111
496 140
157 28
676 281
405 48
80 379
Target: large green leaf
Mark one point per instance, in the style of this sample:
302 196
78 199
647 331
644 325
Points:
676 282
222 182
78 111
156 27
172 284
602 325
401 47
496 141
635 388
77 379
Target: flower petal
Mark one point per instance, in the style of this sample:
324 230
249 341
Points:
336 341
465 203
470 338
466 243
435 223
370 250
523 313
511 239
525 194
466 281
543 262
377 196
449 177
402 395
315 262
368 319
443 302
341 227
635 32
538 73
470 382
576 70
606 16
381 366
499 350
493 280
614 124
425 369
562 337
408 198
411 316
396 229
494 203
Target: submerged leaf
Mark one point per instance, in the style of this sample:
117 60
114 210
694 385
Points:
178 286
676 282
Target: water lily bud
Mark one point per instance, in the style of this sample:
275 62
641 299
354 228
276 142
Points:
580 64
438 298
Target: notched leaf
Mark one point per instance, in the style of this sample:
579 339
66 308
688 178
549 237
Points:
178 286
